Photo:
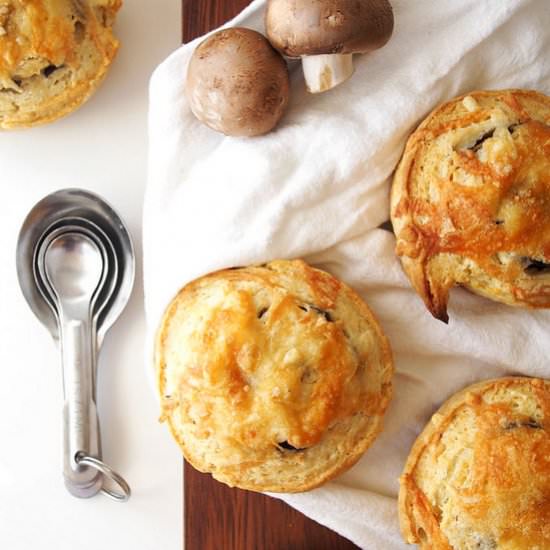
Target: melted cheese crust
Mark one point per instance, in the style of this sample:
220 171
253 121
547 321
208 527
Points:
35 28
471 200
274 377
71 38
478 477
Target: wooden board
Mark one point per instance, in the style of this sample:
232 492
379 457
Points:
217 517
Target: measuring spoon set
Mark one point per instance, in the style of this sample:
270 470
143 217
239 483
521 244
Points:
76 264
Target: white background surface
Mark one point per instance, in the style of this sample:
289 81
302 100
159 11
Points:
101 147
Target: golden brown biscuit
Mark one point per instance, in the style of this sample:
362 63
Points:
471 200
53 55
272 378
478 476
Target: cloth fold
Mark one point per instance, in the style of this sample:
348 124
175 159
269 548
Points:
318 188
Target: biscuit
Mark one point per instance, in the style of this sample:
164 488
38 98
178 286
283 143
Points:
272 378
471 200
478 476
53 56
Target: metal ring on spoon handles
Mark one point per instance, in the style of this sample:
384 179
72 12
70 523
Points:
84 460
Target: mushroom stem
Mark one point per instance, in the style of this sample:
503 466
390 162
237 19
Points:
323 72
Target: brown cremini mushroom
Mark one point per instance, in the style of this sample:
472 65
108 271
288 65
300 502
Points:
326 34
237 83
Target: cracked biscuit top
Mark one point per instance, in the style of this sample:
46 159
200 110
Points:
53 55
272 378
478 476
471 200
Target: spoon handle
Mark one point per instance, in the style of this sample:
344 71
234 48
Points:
81 426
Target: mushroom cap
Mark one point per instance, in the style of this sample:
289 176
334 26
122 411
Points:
315 27
237 83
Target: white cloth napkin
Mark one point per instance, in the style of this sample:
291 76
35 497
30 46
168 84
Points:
318 188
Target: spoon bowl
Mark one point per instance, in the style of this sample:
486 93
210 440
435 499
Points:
105 296
74 267
81 208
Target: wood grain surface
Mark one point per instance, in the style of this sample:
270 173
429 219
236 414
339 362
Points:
217 517
200 16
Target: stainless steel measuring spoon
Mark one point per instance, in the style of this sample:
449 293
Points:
110 273
90 222
75 271
81 480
